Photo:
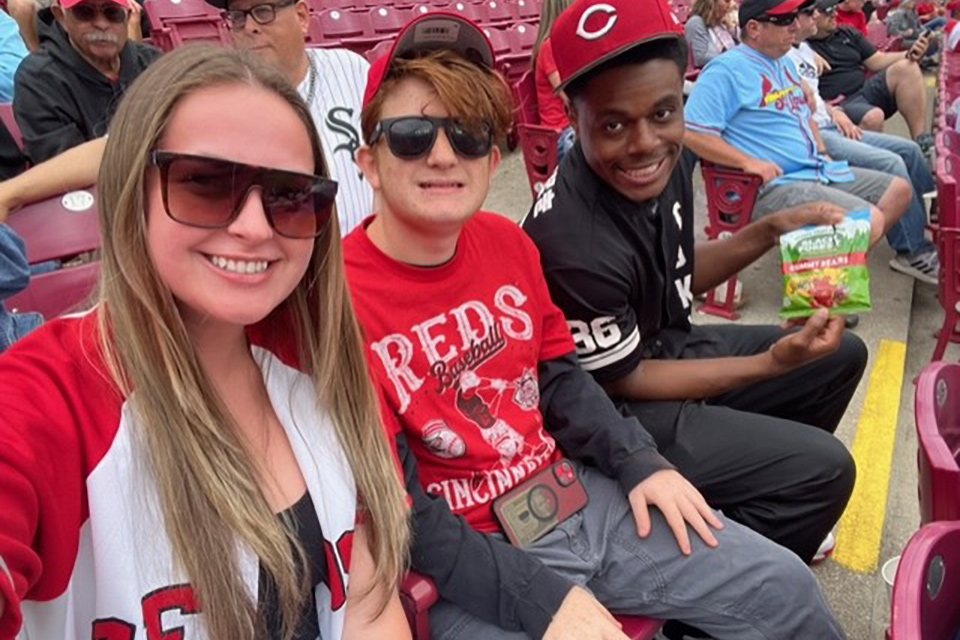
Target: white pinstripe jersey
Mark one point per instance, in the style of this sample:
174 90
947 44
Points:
337 99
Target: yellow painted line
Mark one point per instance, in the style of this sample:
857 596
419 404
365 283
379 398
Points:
861 529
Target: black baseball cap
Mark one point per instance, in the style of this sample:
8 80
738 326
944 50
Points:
756 9
826 5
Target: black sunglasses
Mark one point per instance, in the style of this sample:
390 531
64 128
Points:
209 193
412 137
783 20
264 13
85 12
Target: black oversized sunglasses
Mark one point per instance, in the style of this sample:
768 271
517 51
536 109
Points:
262 14
85 12
783 20
412 137
209 193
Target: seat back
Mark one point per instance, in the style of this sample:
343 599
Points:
731 195
877 35
387 21
160 13
528 10
501 12
382 49
208 29
525 99
336 24
10 122
948 164
539 146
59 228
927 587
937 409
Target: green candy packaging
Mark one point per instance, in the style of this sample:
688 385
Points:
826 267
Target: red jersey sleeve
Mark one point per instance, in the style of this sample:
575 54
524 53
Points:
58 416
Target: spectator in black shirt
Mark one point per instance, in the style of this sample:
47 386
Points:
744 412
66 92
897 83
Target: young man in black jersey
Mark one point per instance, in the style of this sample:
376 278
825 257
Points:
746 413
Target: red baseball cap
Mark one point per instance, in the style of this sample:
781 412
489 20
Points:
67 4
432 32
590 32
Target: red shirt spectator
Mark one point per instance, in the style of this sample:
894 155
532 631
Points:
549 104
855 19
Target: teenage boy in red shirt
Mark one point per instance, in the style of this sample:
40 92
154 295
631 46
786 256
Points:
483 390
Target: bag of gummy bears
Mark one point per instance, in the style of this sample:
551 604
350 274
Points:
826 267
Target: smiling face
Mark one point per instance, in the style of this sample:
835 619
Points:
436 193
629 121
239 274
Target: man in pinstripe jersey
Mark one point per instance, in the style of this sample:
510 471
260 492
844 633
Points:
331 81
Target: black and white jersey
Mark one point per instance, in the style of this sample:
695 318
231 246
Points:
333 89
621 271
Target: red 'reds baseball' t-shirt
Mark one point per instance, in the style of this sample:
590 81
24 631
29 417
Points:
455 349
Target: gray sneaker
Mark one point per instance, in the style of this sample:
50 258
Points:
924 266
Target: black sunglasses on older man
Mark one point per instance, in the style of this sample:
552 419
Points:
210 192
782 20
86 12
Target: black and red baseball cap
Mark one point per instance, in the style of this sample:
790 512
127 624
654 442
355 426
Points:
590 32
432 32
756 9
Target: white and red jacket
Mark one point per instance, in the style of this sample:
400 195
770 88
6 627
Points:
83 546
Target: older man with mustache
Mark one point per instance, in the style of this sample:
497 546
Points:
65 93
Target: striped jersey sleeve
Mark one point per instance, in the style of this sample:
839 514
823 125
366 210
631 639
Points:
334 89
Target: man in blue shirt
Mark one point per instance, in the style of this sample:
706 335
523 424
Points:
749 111
12 51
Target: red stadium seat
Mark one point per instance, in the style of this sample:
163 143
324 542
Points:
10 122
528 10
418 594
386 21
419 9
337 25
159 12
501 12
927 587
60 228
538 143
878 36
947 238
539 146
382 49
731 194
320 5
524 37
207 29
937 409
500 42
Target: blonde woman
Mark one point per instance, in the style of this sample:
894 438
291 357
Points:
200 456
708 32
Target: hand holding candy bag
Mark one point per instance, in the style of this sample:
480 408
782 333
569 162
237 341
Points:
826 267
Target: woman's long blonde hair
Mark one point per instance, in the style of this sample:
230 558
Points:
706 9
550 10
209 490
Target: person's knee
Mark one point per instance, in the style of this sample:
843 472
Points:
873 120
903 71
896 200
789 599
